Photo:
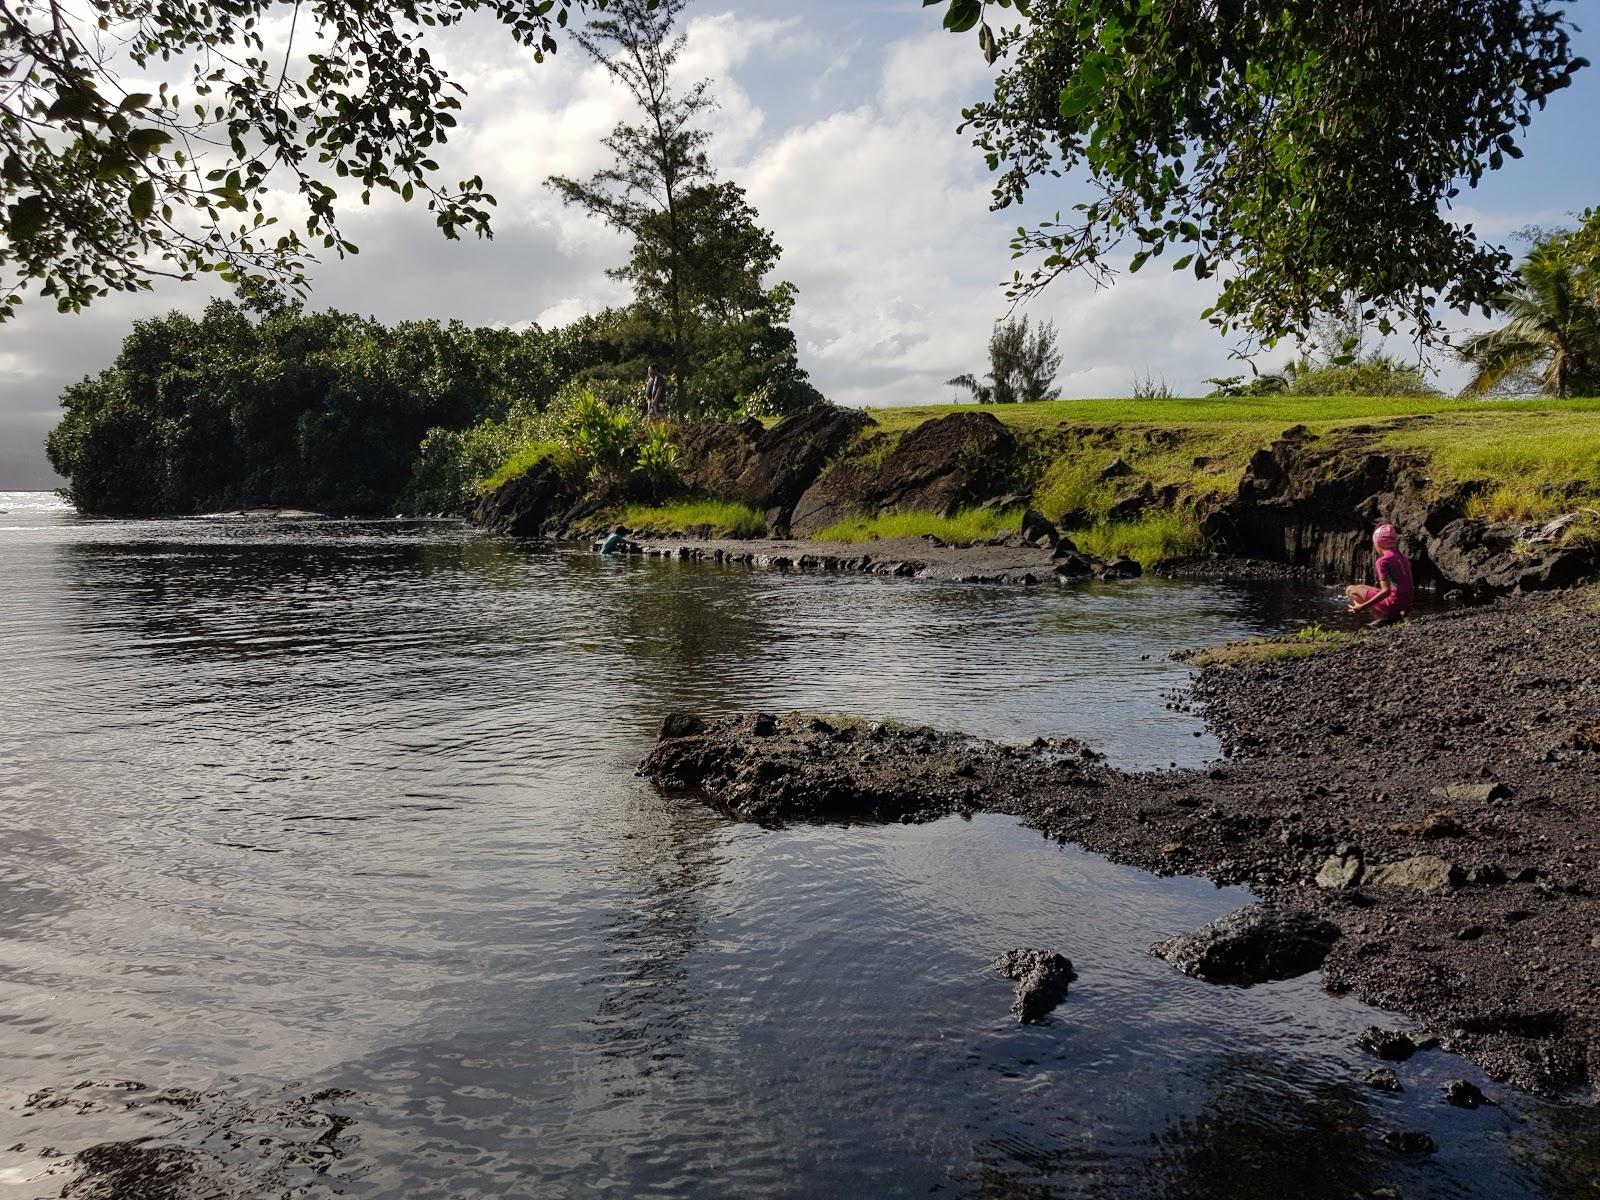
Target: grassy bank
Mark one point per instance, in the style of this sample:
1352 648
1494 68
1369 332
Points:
973 525
1530 458
714 518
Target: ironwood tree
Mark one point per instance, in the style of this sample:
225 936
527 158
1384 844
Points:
1023 362
656 158
700 257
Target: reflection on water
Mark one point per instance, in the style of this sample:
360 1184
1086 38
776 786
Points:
325 868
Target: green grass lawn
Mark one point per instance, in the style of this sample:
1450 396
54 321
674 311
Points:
1272 413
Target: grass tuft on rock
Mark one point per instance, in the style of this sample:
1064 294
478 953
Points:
1311 640
1152 539
715 518
968 525
524 460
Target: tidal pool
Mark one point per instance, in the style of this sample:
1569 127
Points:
324 870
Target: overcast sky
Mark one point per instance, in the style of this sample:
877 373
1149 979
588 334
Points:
841 126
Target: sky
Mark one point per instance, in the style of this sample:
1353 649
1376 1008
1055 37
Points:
839 119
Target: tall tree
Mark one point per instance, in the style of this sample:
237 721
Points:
105 188
714 259
1298 149
1552 326
1022 365
655 159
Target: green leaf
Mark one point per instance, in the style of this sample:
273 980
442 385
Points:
27 217
73 103
134 100
963 15
147 141
1076 98
142 200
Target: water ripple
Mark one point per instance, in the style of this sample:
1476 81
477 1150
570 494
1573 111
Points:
324 867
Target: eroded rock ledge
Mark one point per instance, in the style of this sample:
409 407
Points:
1430 790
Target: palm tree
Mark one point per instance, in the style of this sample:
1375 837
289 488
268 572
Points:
1554 328
981 391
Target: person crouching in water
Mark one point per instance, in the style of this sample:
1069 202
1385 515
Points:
1391 600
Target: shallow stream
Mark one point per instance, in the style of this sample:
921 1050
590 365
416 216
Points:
323 866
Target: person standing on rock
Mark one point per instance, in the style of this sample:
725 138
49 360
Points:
655 394
1391 600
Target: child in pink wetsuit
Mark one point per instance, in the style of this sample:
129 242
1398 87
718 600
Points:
1392 598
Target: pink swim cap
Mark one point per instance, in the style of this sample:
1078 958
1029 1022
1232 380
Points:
1384 537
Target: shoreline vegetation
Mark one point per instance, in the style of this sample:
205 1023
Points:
1509 485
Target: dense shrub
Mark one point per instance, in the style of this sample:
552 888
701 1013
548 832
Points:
341 413
1376 377
603 437
658 462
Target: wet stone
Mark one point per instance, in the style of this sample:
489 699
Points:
681 725
1464 1094
1389 1044
1256 944
1408 1141
1041 976
1383 1079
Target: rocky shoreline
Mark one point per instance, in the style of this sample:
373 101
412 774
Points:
1304 503
1415 809
1011 560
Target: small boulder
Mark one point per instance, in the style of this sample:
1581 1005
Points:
1340 871
1473 793
1423 873
1074 566
681 725
1126 508
1041 976
1121 567
1384 1080
1391 1045
1409 1141
1255 944
1464 1094
1036 528
1115 469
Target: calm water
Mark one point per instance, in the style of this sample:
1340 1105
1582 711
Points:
322 858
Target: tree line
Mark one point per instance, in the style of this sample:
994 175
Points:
260 403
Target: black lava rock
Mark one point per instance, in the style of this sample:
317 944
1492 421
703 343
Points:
1388 1044
1042 977
1256 944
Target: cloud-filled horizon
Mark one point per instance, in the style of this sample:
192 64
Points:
841 126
